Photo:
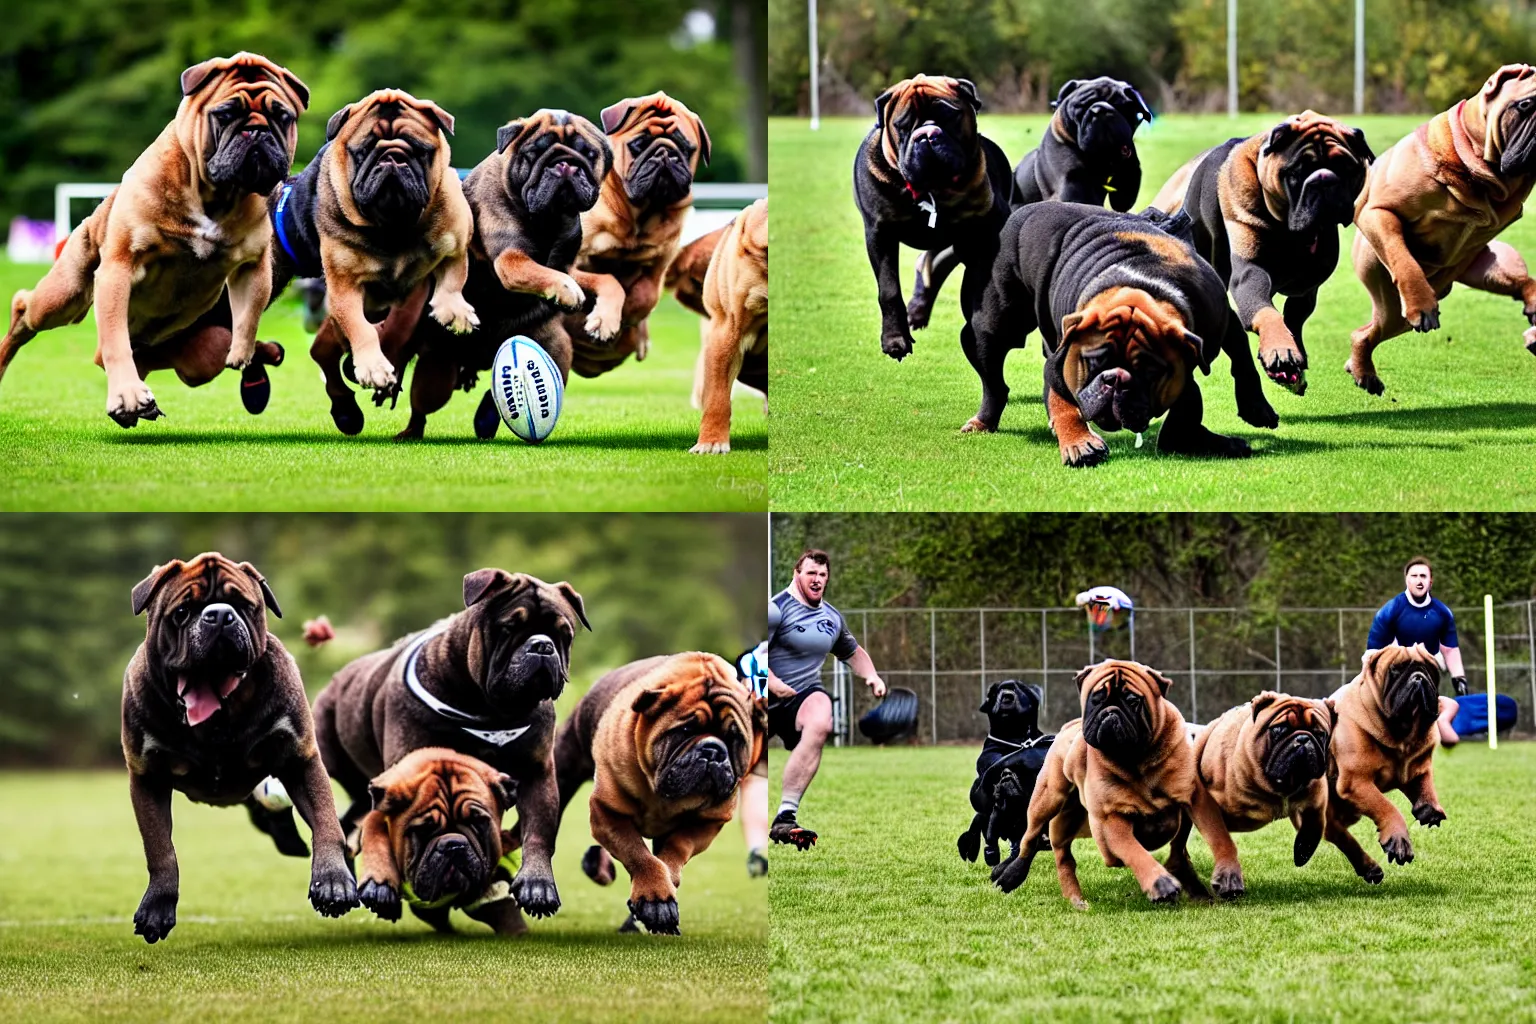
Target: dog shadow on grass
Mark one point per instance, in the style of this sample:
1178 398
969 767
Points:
1483 416
673 440
1265 444
470 937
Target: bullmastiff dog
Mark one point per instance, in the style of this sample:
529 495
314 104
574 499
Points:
482 682
1127 313
633 232
1265 761
925 177
734 346
1124 773
434 841
377 213
1266 212
188 222
212 705
527 197
1088 155
667 739
1385 739
1006 769
1432 208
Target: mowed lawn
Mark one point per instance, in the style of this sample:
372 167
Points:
247 946
882 921
621 444
855 430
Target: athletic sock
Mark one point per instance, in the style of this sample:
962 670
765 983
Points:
788 807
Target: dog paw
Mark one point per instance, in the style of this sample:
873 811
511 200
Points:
1010 874
597 865
1368 380
1371 872
240 356
659 916
130 401
1398 848
1091 450
454 312
897 346
1429 815
374 371
917 313
969 845
1256 411
1286 366
1530 340
566 293
332 893
156 915
605 320
1165 890
381 898
711 448
975 425
1423 320
538 896
1225 447
1228 882
1078 903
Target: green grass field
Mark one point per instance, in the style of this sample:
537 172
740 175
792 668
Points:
854 430
622 443
247 946
883 922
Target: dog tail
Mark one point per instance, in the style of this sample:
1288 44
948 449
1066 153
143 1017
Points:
318 631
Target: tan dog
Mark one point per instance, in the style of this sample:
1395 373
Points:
1385 739
434 839
1125 774
633 232
1268 760
735 344
189 220
668 740
1431 210
383 206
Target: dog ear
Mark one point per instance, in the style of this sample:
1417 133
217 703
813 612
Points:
1038 691
881 102
198 75
333 126
990 699
506 133
1262 701
1066 90
704 145
266 591
569 593
1162 681
1082 676
144 590
383 801
1279 137
1197 344
606 152
653 702
1354 139
483 582
299 89
505 788
1071 324
1141 104
967 90
1333 712
614 116
1507 73
443 119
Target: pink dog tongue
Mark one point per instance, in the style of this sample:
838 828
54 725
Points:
201 699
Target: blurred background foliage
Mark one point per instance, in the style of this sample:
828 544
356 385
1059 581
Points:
1260 560
86 85
1421 55
652 584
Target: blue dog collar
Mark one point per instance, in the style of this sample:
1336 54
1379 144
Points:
277 223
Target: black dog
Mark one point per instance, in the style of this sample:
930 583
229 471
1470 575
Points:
1087 156
1124 307
925 177
1005 771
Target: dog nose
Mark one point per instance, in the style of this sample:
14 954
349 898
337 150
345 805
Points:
452 844
541 645
221 616
712 750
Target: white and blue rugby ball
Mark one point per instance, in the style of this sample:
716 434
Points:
526 387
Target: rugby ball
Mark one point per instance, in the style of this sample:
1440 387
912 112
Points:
526 387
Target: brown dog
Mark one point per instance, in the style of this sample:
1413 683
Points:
212 705
1385 739
632 233
735 344
668 740
1431 210
434 839
1267 760
1125 774
379 211
482 682
189 220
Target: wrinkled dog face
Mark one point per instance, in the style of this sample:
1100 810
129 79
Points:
702 728
520 651
657 145
1103 115
1319 165
1408 681
928 130
387 143
1012 708
1293 735
1509 111
1122 707
556 161
444 813
251 109
1127 357
207 627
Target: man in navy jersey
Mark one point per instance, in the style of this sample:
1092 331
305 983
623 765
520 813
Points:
1414 617
802 630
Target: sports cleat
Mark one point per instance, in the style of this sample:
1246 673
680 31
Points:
757 864
255 388
787 830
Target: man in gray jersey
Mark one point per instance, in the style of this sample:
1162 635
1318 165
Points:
802 630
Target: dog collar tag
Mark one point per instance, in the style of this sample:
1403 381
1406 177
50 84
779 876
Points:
500 737
1107 186
1138 439
933 211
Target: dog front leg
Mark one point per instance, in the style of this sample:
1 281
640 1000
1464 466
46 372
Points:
369 364
607 314
449 307
679 847
1426 805
1310 823
128 397
969 842
332 891
538 819
250 286
379 888
1117 837
885 257
1254 293
156 915
1227 877
1391 829
652 896
1383 229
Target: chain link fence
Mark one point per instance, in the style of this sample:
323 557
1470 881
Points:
1216 657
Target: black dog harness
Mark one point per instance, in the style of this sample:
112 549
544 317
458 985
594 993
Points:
499 737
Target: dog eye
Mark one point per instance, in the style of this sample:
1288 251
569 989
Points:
180 616
636 145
